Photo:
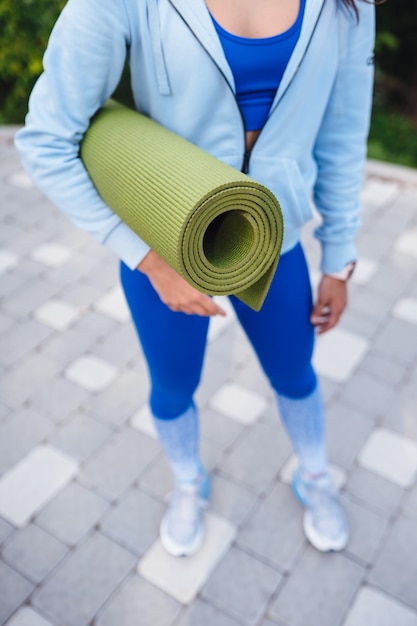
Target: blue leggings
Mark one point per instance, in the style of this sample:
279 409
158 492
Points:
174 343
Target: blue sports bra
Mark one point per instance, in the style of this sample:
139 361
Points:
258 65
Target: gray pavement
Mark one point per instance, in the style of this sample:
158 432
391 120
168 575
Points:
83 483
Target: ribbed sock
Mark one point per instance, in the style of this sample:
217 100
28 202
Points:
179 440
303 419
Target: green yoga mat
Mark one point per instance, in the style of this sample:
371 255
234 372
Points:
220 230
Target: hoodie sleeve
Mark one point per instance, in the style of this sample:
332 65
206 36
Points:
340 148
83 64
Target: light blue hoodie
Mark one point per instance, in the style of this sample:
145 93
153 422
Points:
312 146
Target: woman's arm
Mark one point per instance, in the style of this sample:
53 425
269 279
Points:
82 67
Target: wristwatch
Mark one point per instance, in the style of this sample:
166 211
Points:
345 273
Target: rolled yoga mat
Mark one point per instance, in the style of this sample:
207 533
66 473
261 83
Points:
219 229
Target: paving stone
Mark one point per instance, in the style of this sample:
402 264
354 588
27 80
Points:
118 463
392 277
83 582
138 602
80 436
229 500
377 193
358 324
202 614
274 530
29 376
364 271
367 530
219 323
238 403
372 490
119 346
183 578
370 304
400 414
27 617
398 341
91 373
19 433
338 353
59 399
22 302
257 456
391 456
6 530
347 431
218 428
158 478
6 323
14 589
80 295
143 421
113 303
250 376
52 254
121 399
17 279
406 243
406 309
367 394
57 314
410 504
27 487
241 586
374 247
134 521
7 261
33 552
21 339
382 367
66 347
319 590
216 372
373 608
72 513
395 568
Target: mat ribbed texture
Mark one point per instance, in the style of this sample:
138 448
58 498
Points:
220 230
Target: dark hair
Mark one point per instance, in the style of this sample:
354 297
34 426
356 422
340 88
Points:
351 4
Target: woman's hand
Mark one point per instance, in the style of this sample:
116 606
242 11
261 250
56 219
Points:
331 302
174 291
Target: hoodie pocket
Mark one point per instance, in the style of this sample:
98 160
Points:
284 179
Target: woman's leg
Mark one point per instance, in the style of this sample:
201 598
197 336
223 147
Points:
283 338
174 345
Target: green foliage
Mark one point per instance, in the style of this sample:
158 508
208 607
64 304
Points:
24 30
392 138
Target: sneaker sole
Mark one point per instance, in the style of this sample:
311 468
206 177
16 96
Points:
318 542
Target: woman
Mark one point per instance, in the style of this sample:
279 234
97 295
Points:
278 88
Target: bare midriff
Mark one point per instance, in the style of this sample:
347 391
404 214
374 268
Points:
251 137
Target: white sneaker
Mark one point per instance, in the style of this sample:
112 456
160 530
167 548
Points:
325 523
182 527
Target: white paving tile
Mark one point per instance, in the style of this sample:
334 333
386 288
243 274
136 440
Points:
27 617
364 270
390 455
51 254
218 323
240 404
338 353
27 486
183 578
21 180
91 373
338 474
57 314
113 304
374 608
376 193
143 421
406 309
407 243
7 261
